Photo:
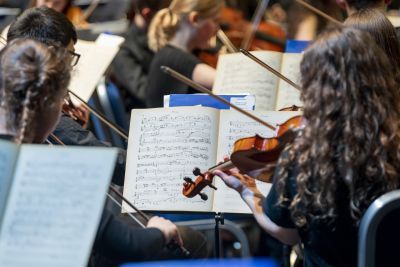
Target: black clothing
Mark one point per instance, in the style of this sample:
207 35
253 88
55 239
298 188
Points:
119 241
71 133
333 243
160 83
131 67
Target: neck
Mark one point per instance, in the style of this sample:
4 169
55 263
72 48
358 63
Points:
183 39
140 22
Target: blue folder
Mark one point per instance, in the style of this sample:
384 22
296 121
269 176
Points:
178 100
296 46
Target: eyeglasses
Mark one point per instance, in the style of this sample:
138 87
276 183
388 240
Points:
75 58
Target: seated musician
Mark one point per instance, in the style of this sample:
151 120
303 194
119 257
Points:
116 239
131 66
173 34
343 159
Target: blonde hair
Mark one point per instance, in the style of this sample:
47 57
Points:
165 23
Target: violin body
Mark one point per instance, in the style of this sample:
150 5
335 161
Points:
250 154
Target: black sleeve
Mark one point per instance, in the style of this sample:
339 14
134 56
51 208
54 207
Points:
278 213
71 133
130 74
161 84
122 242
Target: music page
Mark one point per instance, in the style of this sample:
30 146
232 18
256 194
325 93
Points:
233 126
94 61
55 204
165 144
236 73
287 94
8 157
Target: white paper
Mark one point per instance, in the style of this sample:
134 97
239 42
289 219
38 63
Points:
94 61
8 157
55 205
233 126
165 145
236 73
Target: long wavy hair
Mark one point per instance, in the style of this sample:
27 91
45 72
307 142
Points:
350 145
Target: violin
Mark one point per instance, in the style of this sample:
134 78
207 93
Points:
75 113
266 35
250 154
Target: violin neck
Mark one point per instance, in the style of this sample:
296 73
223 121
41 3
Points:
222 167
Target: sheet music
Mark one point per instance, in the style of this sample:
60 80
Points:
94 61
234 126
55 204
8 157
238 74
164 147
287 94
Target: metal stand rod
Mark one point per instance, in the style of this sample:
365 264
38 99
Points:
219 218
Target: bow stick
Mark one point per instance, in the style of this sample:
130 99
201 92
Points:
319 12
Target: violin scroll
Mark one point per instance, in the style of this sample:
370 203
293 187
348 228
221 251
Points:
192 188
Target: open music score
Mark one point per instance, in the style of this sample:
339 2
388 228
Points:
238 74
94 61
53 202
167 143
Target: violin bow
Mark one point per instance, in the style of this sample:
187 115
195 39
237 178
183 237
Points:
256 20
319 12
269 68
89 11
141 213
204 90
226 41
101 117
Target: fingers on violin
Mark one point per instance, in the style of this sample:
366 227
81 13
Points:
227 158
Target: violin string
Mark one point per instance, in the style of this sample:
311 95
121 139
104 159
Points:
101 117
265 65
123 209
204 90
319 12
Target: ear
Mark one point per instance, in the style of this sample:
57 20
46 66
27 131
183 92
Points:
193 17
342 4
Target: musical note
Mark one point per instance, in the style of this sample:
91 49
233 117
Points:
164 147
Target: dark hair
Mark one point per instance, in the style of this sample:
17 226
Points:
33 77
381 29
154 5
359 4
350 142
44 25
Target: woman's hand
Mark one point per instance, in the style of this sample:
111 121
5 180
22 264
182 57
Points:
169 230
237 181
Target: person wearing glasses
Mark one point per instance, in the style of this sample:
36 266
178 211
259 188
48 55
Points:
117 240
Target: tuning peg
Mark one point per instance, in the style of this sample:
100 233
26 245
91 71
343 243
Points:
203 196
196 172
213 187
188 180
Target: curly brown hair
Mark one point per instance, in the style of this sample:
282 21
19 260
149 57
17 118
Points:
33 77
351 139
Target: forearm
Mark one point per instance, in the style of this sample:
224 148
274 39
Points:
254 200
